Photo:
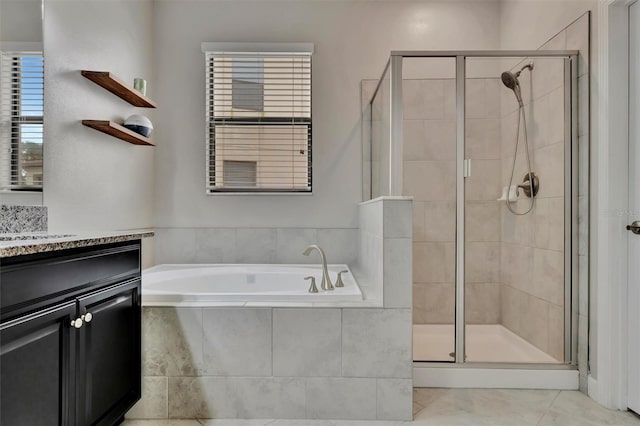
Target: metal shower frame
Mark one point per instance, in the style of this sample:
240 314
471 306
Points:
394 67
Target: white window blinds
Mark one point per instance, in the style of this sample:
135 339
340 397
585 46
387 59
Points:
258 120
21 120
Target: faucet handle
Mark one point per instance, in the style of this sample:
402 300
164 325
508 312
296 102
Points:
339 282
313 288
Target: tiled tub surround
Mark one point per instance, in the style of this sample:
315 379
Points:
276 363
14 219
292 361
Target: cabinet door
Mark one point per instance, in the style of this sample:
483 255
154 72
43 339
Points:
36 366
109 354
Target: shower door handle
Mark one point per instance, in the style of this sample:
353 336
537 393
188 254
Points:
466 168
634 227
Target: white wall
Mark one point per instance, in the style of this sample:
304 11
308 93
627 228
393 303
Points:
21 20
527 24
352 42
93 181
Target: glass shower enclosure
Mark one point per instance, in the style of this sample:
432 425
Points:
485 142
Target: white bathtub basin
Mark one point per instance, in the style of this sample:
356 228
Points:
203 285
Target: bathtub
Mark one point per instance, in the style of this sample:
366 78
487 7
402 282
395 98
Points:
208 285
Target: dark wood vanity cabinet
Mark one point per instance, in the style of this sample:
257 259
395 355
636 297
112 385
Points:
36 368
109 376
70 355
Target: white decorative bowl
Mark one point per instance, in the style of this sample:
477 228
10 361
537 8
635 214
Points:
139 124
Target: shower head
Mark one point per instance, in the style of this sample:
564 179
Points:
510 80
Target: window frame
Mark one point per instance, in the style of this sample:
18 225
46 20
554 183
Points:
262 49
18 118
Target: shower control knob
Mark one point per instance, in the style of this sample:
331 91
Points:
634 227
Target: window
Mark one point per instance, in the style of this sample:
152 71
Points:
248 84
258 117
21 120
240 174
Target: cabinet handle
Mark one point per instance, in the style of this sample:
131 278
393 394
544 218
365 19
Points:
87 317
76 323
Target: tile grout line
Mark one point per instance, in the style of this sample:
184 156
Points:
341 342
166 378
273 314
546 411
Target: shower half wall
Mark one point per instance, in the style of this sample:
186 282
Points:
489 286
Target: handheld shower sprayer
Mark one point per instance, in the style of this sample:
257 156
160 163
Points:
531 184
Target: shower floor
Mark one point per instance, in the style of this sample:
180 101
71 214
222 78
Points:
484 343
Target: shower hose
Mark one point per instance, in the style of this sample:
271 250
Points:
521 119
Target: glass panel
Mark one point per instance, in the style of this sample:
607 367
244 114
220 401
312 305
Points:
380 138
429 175
259 111
514 244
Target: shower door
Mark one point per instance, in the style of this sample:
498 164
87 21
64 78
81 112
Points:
429 175
517 138
492 267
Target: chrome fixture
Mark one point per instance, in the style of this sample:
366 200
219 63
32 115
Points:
526 184
339 282
510 80
313 288
87 317
76 323
326 281
531 182
634 227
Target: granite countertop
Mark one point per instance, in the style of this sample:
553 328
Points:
51 242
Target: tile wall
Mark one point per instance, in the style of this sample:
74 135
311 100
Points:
533 296
532 245
576 36
430 176
254 245
482 212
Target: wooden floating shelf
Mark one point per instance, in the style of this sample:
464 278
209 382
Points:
116 130
118 88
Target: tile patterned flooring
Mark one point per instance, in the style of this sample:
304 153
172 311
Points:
465 407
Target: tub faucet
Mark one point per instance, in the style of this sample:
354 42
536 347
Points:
326 281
